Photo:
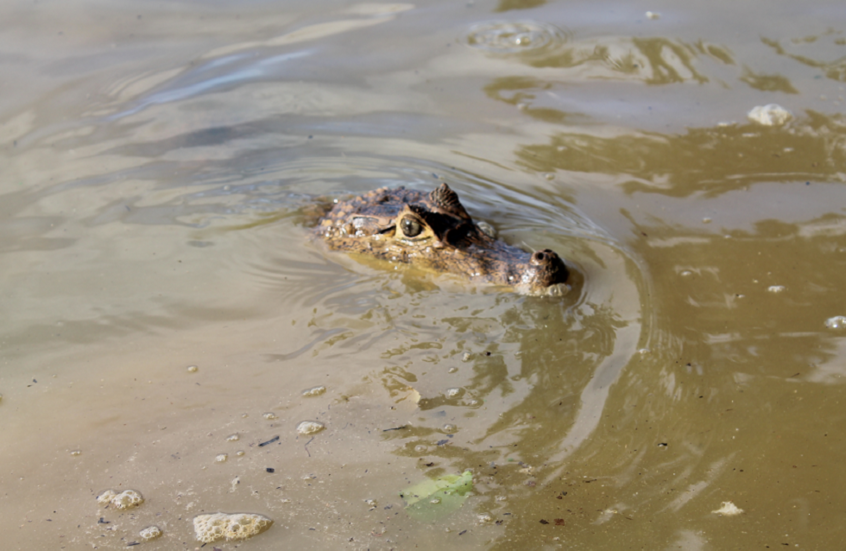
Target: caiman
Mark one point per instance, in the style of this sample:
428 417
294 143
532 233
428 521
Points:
434 231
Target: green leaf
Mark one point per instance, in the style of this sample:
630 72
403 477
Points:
433 499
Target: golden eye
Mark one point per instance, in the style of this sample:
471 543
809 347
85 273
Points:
410 227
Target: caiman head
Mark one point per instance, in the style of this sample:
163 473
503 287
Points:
435 232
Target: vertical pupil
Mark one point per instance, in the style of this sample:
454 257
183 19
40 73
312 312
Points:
410 227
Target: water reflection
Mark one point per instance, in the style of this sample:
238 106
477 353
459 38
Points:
508 5
655 60
533 374
768 83
685 164
829 44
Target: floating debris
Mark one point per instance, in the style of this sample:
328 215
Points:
728 509
769 115
221 458
432 499
271 441
413 395
316 391
233 438
124 500
776 288
193 369
150 533
310 427
236 526
270 416
653 15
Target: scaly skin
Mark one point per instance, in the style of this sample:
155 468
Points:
435 232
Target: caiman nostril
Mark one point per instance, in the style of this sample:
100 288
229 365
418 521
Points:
539 256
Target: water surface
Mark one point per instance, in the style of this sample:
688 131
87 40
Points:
159 163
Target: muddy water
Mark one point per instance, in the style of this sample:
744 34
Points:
158 164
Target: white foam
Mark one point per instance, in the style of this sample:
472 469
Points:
728 509
769 115
235 526
150 533
310 427
124 500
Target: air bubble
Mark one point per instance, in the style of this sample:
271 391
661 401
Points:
270 416
837 322
508 37
776 288
193 369
221 458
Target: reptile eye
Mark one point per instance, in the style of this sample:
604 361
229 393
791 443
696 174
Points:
410 227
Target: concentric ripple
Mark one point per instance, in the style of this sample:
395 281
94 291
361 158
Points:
508 37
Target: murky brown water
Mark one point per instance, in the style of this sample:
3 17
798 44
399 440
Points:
156 159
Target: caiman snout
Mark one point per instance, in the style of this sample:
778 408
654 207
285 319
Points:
546 256
550 269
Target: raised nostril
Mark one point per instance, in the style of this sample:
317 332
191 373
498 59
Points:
539 256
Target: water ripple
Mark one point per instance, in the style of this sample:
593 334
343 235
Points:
508 37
